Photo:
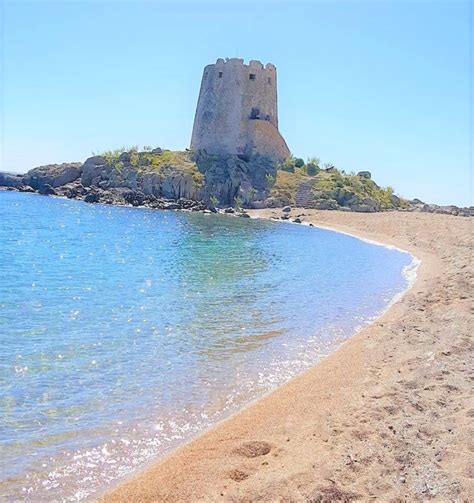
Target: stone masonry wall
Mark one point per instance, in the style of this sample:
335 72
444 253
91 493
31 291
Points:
232 96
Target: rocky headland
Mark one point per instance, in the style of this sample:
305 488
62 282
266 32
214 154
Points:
164 179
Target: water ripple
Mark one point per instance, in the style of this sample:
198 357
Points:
124 332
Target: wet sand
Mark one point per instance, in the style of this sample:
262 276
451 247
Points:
387 417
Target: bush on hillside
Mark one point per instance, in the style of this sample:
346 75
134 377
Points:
312 169
287 165
299 163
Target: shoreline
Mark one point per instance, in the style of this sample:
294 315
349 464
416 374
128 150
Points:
315 455
409 273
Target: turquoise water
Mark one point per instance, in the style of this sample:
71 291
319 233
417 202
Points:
124 331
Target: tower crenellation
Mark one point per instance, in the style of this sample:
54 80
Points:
237 110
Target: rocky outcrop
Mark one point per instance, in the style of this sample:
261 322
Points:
173 180
230 179
417 205
175 185
10 180
169 182
54 175
96 169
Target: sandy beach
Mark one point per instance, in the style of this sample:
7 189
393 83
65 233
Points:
387 417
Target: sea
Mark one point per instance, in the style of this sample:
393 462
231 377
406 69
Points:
125 332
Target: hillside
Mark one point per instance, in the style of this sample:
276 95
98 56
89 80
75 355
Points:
309 186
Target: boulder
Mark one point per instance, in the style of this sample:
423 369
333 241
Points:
71 190
174 206
94 170
276 202
362 208
151 184
134 197
25 188
395 200
92 197
11 180
368 201
176 185
286 209
345 197
54 175
46 190
259 205
229 210
326 204
365 174
127 177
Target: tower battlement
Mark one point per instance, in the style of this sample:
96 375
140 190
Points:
237 110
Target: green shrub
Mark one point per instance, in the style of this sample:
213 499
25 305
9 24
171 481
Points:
270 179
312 169
287 165
237 202
134 158
299 163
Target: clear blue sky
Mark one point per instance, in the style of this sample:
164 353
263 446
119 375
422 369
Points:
380 86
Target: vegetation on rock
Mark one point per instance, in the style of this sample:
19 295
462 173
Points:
329 188
162 162
183 179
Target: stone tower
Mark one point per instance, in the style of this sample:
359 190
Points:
237 111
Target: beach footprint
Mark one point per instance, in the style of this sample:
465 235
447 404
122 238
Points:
253 449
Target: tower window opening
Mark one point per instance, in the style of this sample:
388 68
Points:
252 76
255 113
269 80
220 75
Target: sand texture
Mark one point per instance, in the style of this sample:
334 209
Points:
387 417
